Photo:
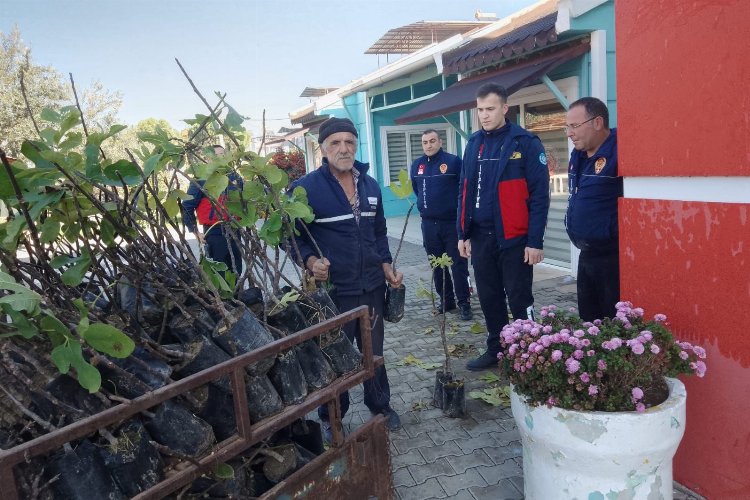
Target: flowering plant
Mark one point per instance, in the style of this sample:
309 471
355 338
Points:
616 364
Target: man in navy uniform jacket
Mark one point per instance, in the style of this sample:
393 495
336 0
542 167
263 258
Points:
349 227
591 220
434 178
502 214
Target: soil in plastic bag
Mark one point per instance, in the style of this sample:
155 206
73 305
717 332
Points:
145 311
215 405
210 486
314 364
317 306
253 298
245 335
307 434
438 400
189 327
454 400
177 428
66 389
288 378
146 372
395 298
134 463
82 475
288 319
293 458
262 398
202 354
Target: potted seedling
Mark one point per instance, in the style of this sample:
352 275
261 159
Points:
448 394
395 297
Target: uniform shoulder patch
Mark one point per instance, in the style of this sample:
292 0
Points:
420 170
443 168
542 158
516 155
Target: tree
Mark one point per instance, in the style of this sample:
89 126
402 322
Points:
45 88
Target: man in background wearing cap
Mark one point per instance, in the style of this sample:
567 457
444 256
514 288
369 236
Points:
349 227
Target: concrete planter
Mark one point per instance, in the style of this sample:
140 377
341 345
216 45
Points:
599 455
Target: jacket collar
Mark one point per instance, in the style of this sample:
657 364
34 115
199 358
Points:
439 152
362 168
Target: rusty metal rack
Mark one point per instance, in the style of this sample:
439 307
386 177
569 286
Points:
356 463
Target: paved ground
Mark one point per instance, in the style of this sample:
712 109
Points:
476 457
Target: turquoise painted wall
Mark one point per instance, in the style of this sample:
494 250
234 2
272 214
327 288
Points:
600 18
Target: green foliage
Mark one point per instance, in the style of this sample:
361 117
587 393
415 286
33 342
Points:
442 262
495 396
402 189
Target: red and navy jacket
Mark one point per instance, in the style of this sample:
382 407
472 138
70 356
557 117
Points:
435 182
199 205
356 251
514 171
595 186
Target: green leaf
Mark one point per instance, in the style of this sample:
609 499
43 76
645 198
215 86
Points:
49 230
297 210
96 138
476 328
490 377
224 471
127 169
21 298
73 276
55 328
50 115
171 206
71 119
73 140
404 187
109 340
88 376
107 231
23 326
63 357
273 174
216 184
150 164
233 119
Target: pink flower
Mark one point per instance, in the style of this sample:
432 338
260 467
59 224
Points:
655 349
572 309
590 353
699 351
601 364
551 401
637 393
660 317
556 355
547 329
647 335
593 330
539 348
640 407
683 355
579 333
597 322
585 378
638 311
572 365
585 342
593 390
578 354
637 348
699 367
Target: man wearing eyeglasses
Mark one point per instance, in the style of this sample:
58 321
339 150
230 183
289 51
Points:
591 220
502 213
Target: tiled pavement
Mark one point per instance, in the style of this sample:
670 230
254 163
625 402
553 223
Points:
433 456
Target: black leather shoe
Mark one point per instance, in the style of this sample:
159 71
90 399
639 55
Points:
466 313
486 360
392 420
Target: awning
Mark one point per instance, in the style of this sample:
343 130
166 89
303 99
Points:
462 95
311 126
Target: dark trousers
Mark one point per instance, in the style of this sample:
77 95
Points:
500 272
377 391
221 247
439 237
598 284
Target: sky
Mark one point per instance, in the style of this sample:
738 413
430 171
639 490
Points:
262 53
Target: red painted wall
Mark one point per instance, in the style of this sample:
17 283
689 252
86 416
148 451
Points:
683 73
683 69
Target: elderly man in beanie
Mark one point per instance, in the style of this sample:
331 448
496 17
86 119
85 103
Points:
349 228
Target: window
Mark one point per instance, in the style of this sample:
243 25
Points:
402 145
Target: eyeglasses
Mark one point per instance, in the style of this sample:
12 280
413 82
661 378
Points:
568 128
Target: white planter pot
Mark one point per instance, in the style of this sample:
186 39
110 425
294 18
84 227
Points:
600 455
